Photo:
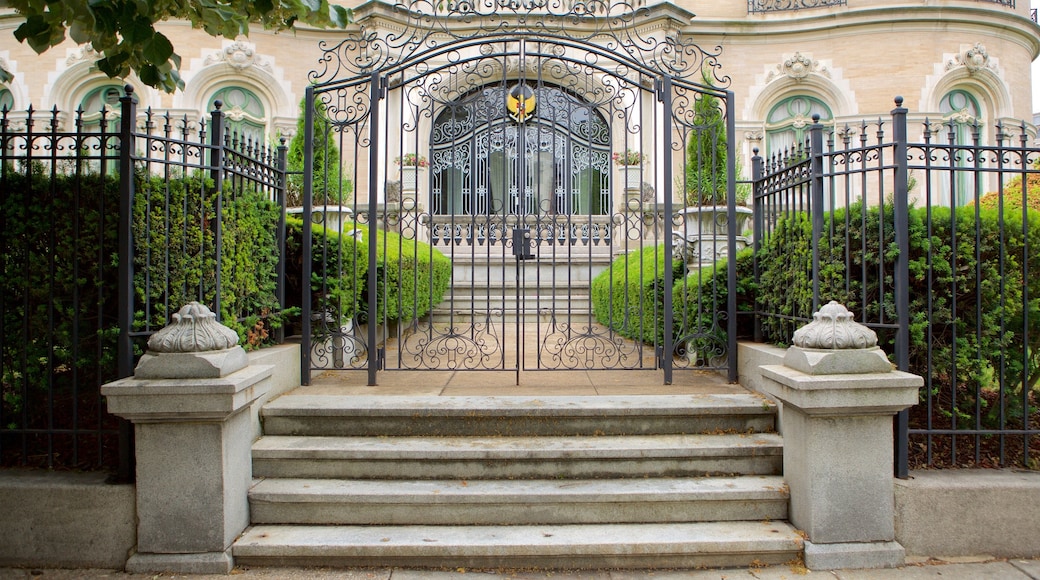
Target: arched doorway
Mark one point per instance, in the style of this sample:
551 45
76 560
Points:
520 149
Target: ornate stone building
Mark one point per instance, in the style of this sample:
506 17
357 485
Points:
956 62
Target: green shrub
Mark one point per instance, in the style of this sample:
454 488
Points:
629 295
338 267
981 275
700 303
175 258
58 280
413 276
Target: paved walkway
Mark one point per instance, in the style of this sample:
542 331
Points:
920 570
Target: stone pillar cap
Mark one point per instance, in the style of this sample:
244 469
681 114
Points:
194 329
833 328
193 346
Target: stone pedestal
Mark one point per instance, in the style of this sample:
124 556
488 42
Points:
838 405
194 435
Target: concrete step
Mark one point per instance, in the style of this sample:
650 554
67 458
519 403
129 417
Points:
516 457
517 502
689 545
331 415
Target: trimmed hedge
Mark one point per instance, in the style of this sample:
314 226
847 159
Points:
629 295
175 261
412 275
338 267
700 302
981 275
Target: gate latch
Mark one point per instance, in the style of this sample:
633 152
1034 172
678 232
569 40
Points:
522 244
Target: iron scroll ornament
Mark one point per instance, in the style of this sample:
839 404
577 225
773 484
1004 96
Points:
441 29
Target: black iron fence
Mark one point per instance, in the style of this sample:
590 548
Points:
106 229
934 244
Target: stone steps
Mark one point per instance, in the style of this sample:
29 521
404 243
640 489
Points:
516 457
328 415
528 482
691 545
518 502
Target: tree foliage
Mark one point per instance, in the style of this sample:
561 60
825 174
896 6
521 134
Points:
123 31
328 185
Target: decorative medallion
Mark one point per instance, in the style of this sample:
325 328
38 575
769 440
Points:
520 102
239 55
974 59
798 68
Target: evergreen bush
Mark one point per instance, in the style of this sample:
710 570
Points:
412 275
629 295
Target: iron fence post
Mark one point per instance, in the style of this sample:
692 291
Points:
306 316
731 263
216 172
901 281
281 161
125 251
665 96
816 204
758 229
373 207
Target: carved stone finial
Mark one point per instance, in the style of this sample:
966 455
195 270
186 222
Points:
834 344
194 329
833 327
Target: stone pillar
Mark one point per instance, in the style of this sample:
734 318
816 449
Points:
189 402
839 394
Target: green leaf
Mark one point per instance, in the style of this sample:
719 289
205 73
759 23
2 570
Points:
158 49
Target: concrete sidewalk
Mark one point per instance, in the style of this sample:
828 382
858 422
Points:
918 570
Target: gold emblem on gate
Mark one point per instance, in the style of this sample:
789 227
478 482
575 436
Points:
520 102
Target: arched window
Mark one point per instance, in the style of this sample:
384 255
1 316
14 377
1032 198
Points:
789 120
547 153
104 98
962 118
6 100
245 114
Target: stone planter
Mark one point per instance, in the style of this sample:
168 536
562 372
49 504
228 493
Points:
331 217
632 178
713 220
703 237
411 177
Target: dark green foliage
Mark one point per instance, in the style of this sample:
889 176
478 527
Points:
338 267
328 184
175 254
412 276
124 35
967 319
57 289
629 295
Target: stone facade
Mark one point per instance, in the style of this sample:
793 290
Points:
854 58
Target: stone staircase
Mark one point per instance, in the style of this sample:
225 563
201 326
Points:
658 481
484 284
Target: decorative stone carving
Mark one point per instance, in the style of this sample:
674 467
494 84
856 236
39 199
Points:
833 327
798 68
239 55
974 59
194 329
86 52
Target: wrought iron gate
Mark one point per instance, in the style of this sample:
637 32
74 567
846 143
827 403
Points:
477 167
